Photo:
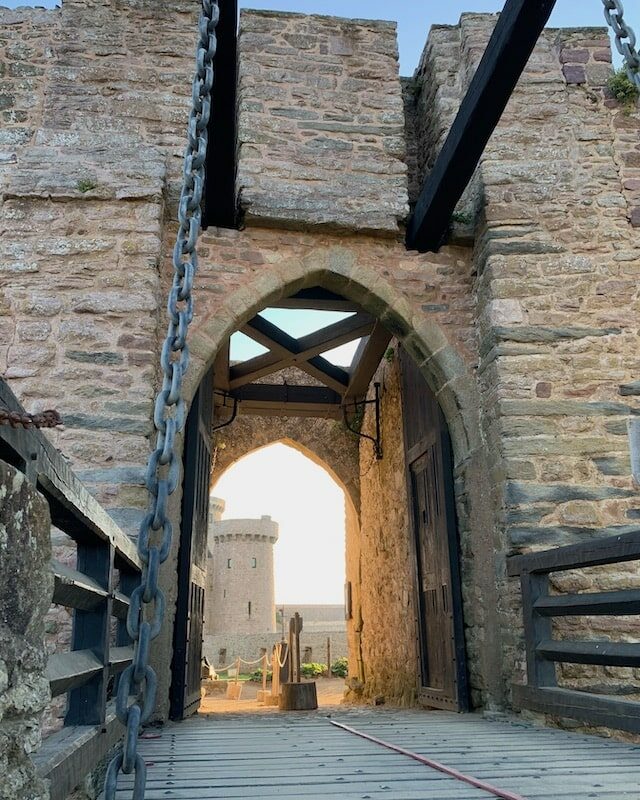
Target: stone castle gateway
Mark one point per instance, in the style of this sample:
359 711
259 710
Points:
506 362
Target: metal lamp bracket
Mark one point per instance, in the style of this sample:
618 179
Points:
377 439
234 413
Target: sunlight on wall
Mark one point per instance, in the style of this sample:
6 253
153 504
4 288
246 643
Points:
309 507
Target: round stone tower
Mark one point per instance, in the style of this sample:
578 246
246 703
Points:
240 582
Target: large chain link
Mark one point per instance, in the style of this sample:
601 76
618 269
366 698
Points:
163 471
625 38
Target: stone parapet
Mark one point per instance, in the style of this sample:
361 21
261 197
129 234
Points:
243 537
320 101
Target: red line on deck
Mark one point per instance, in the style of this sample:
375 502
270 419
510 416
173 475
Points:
450 771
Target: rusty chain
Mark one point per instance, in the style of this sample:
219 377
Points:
625 38
17 419
163 470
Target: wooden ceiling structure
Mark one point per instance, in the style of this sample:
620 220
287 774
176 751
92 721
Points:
518 28
332 387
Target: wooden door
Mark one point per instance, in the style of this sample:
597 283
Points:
189 622
443 674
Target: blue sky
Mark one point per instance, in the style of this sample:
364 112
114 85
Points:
415 18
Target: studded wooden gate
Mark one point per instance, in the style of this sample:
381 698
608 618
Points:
430 479
187 636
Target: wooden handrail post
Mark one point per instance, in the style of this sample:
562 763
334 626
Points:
540 671
92 631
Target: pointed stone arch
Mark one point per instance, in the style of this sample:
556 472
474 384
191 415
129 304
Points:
445 355
336 454
337 268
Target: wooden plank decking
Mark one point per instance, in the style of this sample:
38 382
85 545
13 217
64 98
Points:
303 756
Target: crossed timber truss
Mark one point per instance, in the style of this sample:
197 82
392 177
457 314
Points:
332 386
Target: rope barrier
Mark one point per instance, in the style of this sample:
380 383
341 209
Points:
234 664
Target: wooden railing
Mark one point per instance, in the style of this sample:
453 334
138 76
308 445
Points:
107 570
541 692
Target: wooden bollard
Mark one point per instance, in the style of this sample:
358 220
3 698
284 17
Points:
295 695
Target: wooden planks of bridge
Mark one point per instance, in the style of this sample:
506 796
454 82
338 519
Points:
303 756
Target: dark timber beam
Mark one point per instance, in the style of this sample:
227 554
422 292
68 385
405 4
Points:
275 339
301 410
301 350
220 182
366 360
290 401
514 37
316 299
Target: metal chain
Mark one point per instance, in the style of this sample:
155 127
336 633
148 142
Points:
625 38
17 419
163 470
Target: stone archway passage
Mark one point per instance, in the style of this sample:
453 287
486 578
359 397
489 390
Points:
325 441
382 625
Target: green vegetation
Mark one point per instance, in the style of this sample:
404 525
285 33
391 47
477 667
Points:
256 675
623 89
243 677
313 670
390 355
340 667
462 217
86 185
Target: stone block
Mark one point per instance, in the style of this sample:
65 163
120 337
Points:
574 73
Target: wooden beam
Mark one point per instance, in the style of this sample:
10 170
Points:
121 605
305 411
120 658
283 393
72 508
594 709
514 38
269 335
366 360
269 400
73 589
590 604
316 299
301 350
67 756
221 367
594 553
603 653
71 670
220 207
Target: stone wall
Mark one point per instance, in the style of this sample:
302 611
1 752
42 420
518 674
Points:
26 587
384 600
226 647
556 256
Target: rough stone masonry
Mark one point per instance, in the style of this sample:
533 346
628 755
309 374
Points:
525 325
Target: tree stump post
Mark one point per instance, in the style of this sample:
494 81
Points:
298 697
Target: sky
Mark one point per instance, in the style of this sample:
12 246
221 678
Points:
309 507
414 18
296 324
